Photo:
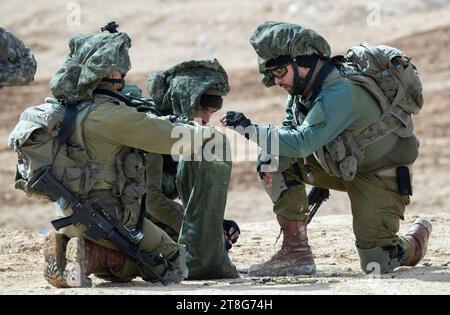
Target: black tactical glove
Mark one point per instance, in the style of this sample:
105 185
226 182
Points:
228 225
235 119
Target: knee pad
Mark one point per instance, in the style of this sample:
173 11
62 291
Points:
279 182
380 260
278 186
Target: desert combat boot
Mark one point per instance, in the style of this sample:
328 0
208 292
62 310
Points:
69 262
55 259
295 256
418 236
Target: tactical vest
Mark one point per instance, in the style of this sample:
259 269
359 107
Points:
35 140
392 80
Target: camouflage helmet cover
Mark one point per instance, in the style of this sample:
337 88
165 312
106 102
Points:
274 39
178 90
17 63
92 57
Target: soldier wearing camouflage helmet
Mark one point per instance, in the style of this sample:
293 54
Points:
192 90
318 145
17 63
109 147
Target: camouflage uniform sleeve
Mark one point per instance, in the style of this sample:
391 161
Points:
123 125
159 207
331 114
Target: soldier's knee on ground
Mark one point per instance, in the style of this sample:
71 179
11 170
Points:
380 260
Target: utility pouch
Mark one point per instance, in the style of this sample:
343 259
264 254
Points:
404 181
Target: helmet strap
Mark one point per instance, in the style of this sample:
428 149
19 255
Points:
116 81
299 83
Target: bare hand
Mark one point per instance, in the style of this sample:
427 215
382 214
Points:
267 179
223 120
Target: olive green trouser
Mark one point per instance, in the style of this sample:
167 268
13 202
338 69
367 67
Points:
376 205
202 186
155 241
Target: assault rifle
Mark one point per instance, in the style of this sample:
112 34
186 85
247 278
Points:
93 214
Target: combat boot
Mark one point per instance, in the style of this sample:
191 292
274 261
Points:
295 256
418 236
84 257
54 259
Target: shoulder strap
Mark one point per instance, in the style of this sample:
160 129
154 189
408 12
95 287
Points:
123 98
393 118
67 128
326 69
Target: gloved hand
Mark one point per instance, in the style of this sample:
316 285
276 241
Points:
265 165
231 232
237 119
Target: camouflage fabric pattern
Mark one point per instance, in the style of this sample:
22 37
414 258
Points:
17 63
274 39
92 57
178 90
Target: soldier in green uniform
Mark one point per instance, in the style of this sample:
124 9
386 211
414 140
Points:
192 90
326 115
108 144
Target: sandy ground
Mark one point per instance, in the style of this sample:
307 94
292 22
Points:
332 241
165 32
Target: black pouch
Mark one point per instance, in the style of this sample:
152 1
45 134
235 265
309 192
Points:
404 181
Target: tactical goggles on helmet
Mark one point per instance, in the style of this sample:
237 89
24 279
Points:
277 67
277 72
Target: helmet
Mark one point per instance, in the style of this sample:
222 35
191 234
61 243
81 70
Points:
92 57
17 63
273 40
181 89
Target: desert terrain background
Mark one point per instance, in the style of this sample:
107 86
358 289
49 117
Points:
165 32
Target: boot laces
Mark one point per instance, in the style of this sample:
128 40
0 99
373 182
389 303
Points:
278 237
